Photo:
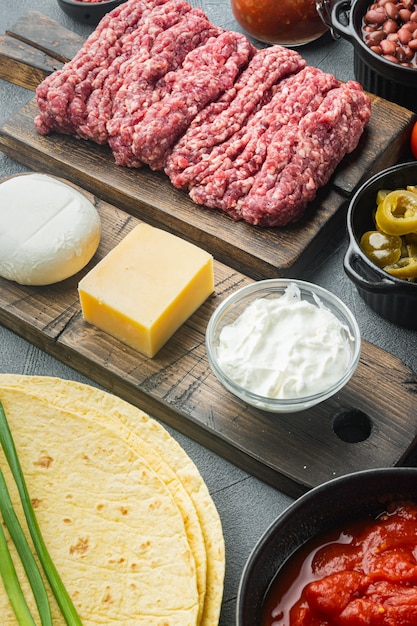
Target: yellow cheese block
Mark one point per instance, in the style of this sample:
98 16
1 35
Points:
146 288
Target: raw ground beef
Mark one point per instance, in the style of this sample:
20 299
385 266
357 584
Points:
227 173
315 147
140 84
206 73
221 119
251 133
135 48
61 95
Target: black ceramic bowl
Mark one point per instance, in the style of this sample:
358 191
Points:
377 75
328 506
88 12
392 298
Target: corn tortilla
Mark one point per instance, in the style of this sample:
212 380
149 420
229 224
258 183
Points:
158 451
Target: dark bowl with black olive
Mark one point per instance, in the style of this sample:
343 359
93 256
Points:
390 295
88 12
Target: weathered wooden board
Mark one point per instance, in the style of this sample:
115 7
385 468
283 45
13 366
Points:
46 35
33 48
149 195
292 452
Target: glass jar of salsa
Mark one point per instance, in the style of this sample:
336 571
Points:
284 22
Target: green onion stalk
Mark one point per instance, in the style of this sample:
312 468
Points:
12 584
22 546
61 595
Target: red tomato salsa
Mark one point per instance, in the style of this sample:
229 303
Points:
363 575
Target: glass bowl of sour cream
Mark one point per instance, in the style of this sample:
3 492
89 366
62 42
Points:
283 345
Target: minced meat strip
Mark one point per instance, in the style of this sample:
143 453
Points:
320 141
141 84
66 88
229 172
207 72
221 119
82 110
135 50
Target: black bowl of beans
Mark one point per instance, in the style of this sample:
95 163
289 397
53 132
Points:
384 37
88 11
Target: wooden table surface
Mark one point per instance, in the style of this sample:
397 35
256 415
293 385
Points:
246 504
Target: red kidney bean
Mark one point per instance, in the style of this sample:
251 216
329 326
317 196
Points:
375 37
388 47
408 4
374 16
390 57
390 26
409 54
413 44
391 11
401 54
404 35
405 14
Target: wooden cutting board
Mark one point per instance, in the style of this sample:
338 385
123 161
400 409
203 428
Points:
293 452
351 431
34 47
259 253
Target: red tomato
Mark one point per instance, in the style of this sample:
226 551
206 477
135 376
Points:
413 140
364 571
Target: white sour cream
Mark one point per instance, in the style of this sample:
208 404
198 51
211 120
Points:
285 347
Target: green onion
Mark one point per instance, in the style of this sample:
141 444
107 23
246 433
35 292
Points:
19 539
12 585
62 597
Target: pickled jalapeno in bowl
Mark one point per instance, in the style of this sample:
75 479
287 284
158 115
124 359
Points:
381 259
392 246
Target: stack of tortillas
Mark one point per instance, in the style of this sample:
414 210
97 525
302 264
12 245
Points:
125 514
